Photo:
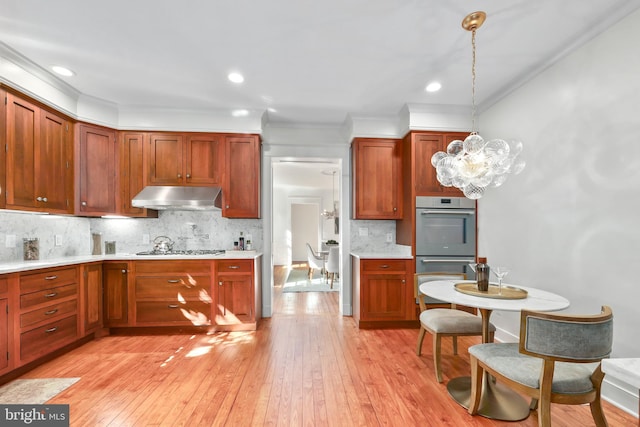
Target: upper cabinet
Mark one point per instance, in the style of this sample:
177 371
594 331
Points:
3 138
131 173
241 183
424 145
96 170
184 159
39 174
377 178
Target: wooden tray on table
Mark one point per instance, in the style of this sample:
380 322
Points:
508 292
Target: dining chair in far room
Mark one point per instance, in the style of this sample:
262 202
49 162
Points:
333 263
557 360
314 261
444 322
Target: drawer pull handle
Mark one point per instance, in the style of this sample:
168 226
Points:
51 277
384 266
234 267
48 331
173 281
173 306
51 295
50 312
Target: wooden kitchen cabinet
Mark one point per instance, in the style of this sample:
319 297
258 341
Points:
241 183
90 298
115 279
3 143
377 180
4 325
132 173
48 312
172 293
39 173
383 293
96 170
184 159
424 146
235 299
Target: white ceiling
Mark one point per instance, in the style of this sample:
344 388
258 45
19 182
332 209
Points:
310 62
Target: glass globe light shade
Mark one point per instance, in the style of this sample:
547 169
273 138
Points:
518 166
472 165
446 168
483 180
498 180
446 182
515 147
503 166
497 149
455 147
473 143
460 182
473 192
437 157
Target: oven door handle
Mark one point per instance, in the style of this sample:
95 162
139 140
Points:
448 212
453 261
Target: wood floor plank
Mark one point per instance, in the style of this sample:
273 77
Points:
305 366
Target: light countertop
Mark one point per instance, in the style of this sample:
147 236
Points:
18 266
381 255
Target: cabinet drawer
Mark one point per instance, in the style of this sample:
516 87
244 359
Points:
169 287
159 267
384 265
48 295
235 266
47 313
169 313
4 285
47 280
43 340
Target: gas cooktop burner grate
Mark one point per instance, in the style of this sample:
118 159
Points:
185 252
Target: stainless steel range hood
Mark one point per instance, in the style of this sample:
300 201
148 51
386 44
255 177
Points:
178 198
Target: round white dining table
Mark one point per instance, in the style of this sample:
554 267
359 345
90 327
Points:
497 401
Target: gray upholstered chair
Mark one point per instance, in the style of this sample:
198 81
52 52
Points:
333 263
556 361
444 322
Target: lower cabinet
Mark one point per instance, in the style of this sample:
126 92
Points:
383 293
4 325
115 277
91 298
48 311
235 308
172 293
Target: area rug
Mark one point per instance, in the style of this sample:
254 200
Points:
34 391
298 281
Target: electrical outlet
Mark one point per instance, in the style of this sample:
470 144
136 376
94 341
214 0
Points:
58 240
145 239
389 237
363 231
10 241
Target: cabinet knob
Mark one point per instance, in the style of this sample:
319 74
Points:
44 199
124 271
179 175
51 295
227 207
395 209
188 175
50 312
172 306
384 266
84 203
39 198
220 283
48 331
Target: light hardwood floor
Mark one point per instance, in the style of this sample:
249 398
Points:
306 365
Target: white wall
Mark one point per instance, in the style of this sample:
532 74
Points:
569 222
305 225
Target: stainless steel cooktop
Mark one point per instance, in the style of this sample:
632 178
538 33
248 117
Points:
185 252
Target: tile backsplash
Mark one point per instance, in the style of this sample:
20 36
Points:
188 229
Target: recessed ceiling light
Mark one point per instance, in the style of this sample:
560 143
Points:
236 77
63 71
240 113
433 87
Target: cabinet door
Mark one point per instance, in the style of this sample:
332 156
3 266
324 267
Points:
384 297
203 159
234 300
3 143
241 187
425 146
54 180
4 334
91 299
22 132
166 159
116 297
132 172
378 183
97 178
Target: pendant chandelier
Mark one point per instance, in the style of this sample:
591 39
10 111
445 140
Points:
334 213
473 165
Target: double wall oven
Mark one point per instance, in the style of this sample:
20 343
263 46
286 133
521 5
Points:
445 235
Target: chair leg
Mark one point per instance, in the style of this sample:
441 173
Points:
437 356
332 274
597 412
476 385
420 339
310 273
455 344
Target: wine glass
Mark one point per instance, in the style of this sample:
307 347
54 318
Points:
500 272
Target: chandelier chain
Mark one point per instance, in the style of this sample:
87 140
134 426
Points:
473 82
